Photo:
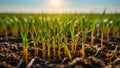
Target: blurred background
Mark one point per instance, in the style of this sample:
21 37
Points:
59 6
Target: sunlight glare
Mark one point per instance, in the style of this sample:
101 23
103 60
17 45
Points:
55 2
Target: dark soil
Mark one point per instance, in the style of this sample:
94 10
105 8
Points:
11 55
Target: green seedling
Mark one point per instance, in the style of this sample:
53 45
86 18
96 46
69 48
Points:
92 33
25 44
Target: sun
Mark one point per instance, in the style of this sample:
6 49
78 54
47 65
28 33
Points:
55 5
55 2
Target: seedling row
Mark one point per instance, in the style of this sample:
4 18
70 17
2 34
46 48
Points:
55 35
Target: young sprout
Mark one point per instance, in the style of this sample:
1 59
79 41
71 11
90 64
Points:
4 26
35 35
67 51
85 31
48 47
72 30
59 45
98 28
54 46
65 31
102 32
79 30
14 27
54 33
109 26
25 43
73 38
59 38
118 33
42 35
102 26
63 35
83 38
48 38
106 20
1 26
32 26
36 39
83 43
92 33
117 28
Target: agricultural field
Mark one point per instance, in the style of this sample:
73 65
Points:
60 40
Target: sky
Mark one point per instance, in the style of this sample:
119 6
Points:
58 6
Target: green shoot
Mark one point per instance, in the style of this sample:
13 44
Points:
67 51
92 33
25 44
